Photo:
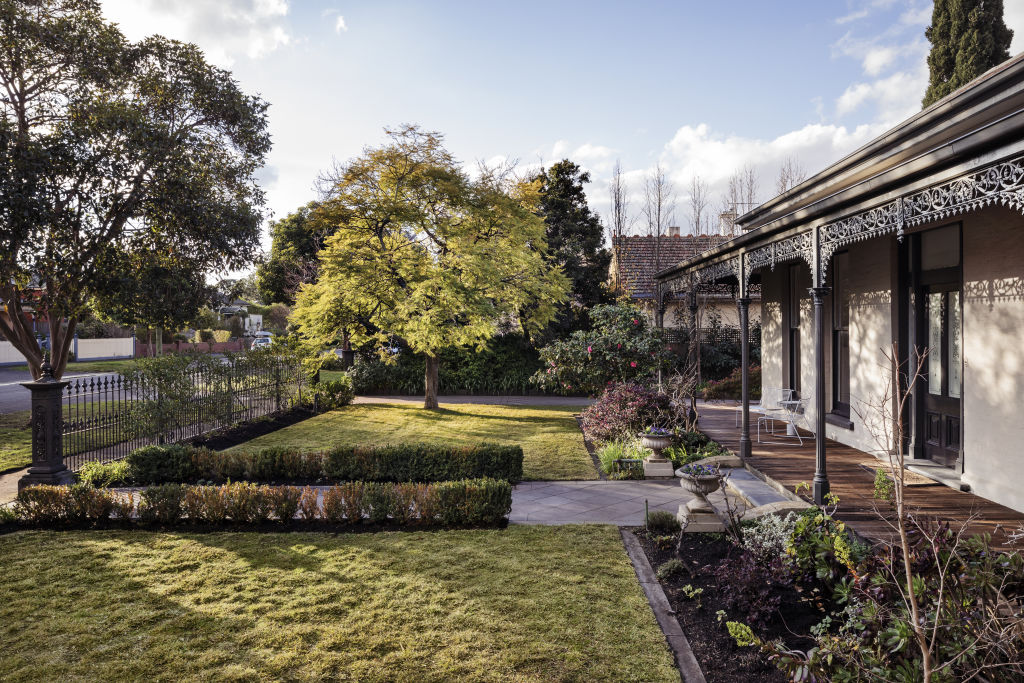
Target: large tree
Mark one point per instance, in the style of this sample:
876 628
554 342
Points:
151 289
968 38
575 241
295 243
109 147
420 252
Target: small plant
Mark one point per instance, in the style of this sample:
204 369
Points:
699 470
309 504
7 515
671 569
663 521
742 634
657 431
883 489
103 475
692 593
768 537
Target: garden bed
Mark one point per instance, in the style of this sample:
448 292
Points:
716 651
229 437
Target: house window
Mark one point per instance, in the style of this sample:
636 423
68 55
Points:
841 334
793 328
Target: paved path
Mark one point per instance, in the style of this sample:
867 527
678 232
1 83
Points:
598 502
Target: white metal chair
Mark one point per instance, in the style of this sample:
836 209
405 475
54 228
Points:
773 409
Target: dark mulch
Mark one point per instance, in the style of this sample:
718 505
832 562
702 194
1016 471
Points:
716 651
246 431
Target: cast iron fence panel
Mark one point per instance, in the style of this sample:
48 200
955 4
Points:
108 417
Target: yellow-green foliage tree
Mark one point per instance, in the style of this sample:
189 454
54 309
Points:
421 252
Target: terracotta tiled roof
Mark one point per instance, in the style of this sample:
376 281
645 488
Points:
633 266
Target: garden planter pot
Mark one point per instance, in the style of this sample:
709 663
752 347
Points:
656 466
701 487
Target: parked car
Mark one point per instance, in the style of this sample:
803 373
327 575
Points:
260 343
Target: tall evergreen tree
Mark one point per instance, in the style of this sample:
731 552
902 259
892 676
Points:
968 38
575 241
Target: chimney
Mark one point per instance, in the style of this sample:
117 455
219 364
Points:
673 231
727 223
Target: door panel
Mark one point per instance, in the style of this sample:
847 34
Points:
942 401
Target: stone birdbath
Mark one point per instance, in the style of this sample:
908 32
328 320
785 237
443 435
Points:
657 466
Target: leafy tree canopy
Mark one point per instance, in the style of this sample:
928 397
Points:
968 38
575 241
420 251
108 148
294 246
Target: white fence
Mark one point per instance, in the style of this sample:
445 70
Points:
104 349
84 349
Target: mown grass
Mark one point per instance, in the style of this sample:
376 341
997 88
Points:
88 366
526 603
15 440
551 440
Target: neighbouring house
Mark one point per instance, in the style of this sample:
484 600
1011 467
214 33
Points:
636 259
239 308
917 239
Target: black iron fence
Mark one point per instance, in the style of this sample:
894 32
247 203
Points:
107 417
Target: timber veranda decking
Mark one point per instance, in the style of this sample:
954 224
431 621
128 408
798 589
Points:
789 463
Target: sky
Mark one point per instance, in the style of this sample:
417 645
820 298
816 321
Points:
701 88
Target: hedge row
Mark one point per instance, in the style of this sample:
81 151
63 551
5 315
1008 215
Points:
471 502
407 462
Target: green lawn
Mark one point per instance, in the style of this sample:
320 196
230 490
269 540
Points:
87 366
551 440
527 603
15 440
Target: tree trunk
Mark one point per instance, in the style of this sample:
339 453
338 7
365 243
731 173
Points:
159 341
430 385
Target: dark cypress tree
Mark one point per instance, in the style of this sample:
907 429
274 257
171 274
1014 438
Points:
575 240
968 38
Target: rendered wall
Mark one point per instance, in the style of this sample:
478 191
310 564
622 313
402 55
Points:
772 284
993 263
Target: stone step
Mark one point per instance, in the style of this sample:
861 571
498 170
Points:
753 490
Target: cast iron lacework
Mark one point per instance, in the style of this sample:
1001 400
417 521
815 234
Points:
795 248
718 271
875 222
999 184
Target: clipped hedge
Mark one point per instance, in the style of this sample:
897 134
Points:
424 462
470 502
391 463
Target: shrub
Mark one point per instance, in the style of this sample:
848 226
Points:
309 504
333 505
404 506
379 501
333 393
821 551
8 515
161 504
752 588
159 464
768 537
623 410
102 475
671 569
44 505
213 466
732 386
622 346
473 502
425 503
90 504
424 462
206 504
663 521
124 507
248 502
284 501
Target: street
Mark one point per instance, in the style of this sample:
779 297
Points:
14 397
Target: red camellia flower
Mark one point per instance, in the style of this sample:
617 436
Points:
635 321
588 349
632 363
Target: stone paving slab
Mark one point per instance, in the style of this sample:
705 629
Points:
595 502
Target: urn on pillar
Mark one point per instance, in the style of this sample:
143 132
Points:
47 427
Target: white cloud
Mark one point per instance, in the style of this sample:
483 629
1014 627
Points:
852 16
339 24
896 97
1013 15
224 29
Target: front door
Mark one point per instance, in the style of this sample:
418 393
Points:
943 367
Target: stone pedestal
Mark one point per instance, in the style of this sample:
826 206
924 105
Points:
658 468
47 432
698 521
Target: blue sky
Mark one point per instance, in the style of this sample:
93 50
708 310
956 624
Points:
699 87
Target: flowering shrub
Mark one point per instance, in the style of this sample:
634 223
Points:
621 347
623 410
